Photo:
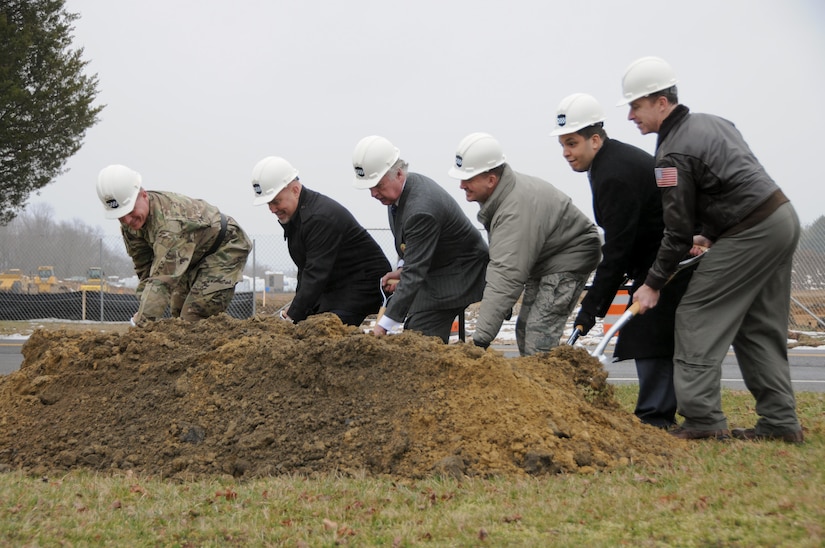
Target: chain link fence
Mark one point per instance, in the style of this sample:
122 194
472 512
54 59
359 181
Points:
70 273
91 278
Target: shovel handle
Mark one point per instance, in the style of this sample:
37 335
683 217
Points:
577 331
632 310
383 308
380 314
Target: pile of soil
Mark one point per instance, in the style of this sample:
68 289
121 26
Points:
261 397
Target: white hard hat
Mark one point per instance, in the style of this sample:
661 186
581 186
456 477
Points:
372 158
577 111
118 188
477 153
645 76
269 177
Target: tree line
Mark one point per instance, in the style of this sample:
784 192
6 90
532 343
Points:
35 239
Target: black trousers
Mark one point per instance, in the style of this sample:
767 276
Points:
656 404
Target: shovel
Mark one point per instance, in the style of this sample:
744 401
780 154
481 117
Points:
623 319
281 311
574 336
598 352
385 297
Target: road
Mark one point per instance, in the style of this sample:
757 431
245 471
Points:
10 356
807 369
807 366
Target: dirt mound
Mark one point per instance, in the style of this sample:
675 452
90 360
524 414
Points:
259 396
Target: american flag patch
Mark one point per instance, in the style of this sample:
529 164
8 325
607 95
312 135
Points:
665 176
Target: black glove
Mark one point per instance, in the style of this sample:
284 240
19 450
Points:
586 320
480 344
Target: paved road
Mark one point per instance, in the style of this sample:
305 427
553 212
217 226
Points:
10 357
807 369
807 366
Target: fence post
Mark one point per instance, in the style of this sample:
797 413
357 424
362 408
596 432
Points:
102 277
254 270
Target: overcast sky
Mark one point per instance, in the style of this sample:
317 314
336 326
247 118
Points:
197 91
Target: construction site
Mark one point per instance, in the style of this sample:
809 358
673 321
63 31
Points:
45 281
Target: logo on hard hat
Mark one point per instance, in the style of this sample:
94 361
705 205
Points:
561 120
458 160
257 188
359 171
112 203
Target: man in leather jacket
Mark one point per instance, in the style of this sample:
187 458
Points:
740 293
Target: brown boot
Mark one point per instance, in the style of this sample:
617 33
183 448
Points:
750 434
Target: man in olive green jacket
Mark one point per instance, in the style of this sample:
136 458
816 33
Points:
540 245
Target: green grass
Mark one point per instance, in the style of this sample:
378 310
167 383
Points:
720 494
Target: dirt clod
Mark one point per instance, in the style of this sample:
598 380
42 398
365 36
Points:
257 397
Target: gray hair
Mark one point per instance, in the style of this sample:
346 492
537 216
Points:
399 164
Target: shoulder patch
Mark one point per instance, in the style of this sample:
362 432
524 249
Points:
666 176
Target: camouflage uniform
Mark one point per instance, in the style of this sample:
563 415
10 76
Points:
171 261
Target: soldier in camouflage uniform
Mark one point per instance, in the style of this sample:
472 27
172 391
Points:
187 254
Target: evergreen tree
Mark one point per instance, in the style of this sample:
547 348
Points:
46 101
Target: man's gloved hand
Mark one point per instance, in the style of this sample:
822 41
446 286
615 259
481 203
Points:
586 320
480 344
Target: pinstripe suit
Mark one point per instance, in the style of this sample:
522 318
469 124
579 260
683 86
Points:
445 256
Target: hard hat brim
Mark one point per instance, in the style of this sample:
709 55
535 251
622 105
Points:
123 209
562 131
463 175
120 212
268 196
364 184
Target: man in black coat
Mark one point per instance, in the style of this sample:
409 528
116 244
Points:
339 264
442 256
628 206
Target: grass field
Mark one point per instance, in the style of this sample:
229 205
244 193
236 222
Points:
720 494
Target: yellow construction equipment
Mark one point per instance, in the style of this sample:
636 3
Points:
13 281
95 280
47 282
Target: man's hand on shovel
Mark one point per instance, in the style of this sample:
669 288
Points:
389 281
387 286
637 306
646 297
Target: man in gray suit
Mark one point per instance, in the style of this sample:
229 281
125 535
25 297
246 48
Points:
442 257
